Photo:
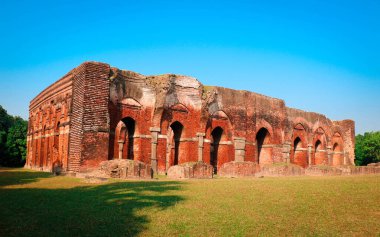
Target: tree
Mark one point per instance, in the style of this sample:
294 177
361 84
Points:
16 142
367 149
13 131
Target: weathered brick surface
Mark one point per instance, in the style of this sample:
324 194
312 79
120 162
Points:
199 170
342 170
125 169
97 113
281 170
49 126
239 169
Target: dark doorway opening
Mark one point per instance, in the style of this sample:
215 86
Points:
177 128
262 138
127 134
216 136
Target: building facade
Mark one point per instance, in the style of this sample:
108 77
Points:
97 113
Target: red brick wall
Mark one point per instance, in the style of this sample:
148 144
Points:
90 102
90 121
49 118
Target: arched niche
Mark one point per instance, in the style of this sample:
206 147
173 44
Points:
175 132
218 148
319 156
215 152
264 148
124 142
299 152
337 149
300 156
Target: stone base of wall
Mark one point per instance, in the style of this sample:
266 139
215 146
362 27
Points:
374 164
126 169
123 169
322 170
239 169
360 170
199 170
56 169
342 170
281 169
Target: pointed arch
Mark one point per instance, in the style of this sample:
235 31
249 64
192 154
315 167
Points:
319 155
337 150
175 132
216 137
124 142
264 149
299 154
218 148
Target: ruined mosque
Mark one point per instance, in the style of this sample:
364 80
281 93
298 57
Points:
97 113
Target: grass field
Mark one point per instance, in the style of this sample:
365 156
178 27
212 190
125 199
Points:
39 204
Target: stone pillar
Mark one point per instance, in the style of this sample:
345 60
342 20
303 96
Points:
239 143
200 145
121 144
286 147
309 154
329 155
153 158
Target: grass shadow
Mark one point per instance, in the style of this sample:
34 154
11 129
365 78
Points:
12 176
115 209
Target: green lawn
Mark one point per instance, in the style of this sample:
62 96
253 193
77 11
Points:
39 204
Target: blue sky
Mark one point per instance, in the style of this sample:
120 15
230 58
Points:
321 56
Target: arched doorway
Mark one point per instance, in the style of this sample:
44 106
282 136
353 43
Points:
127 128
337 150
299 153
319 154
264 150
337 158
216 136
176 130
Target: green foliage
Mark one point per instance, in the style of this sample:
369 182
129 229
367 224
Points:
13 132
5 119
367 149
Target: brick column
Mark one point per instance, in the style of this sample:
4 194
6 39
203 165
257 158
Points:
153 158
121 144
200 145
286 148
309 153
239 143
344 158
329 155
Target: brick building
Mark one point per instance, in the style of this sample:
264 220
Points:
97 113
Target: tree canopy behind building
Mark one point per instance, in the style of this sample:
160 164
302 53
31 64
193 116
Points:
13 131
367 148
